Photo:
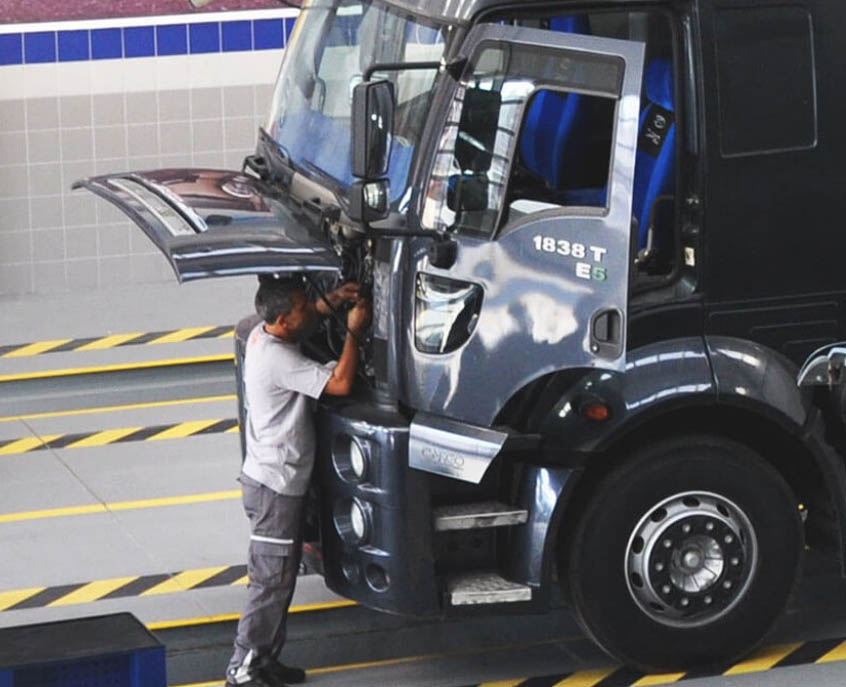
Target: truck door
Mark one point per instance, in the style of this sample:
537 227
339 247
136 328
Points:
540 273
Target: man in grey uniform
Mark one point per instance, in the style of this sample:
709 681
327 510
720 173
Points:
281 385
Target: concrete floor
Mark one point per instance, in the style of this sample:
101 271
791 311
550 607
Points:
348 646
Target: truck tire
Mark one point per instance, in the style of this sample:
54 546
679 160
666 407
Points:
685 555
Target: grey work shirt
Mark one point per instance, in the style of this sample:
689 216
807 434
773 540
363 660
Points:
280 384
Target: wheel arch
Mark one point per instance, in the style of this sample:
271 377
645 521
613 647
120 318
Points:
801 456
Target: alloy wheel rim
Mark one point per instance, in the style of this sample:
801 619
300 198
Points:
690 559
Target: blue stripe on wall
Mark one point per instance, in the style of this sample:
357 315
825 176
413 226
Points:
144 41
139 41
74 46
106 44
11 49
237 35
204 37
172 40
40 47
268 33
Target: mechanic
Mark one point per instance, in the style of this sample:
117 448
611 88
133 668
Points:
281 385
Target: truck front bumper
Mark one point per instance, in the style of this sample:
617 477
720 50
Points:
375 512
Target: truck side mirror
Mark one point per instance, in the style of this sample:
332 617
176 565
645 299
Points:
368 201
372 127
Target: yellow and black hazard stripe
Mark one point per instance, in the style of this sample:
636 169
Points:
122 587
767 658
179 430
99 343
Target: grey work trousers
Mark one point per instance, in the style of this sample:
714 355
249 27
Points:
272 565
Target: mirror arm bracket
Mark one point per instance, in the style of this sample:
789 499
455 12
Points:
455 68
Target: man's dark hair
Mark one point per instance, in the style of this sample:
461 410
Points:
275 297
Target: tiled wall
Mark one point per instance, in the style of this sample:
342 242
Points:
79 101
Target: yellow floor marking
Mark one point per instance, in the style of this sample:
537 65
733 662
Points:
183 429
414 659
92 591
24 445
503 683
8 599
114 409
35 348
242 582
373 664
183 581
176 500
181 335
658 679
103 438
109 342
838 653
120 505
763 659
233 430
585 678
227 335
119 367
231 617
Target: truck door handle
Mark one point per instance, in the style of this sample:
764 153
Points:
606 333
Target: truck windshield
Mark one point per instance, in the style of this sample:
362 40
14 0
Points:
333 43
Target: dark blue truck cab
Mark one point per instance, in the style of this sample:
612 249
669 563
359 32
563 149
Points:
601 239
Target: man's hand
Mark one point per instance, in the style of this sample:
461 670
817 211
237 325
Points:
358 317
346 292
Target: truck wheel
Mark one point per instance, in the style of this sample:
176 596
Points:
685 555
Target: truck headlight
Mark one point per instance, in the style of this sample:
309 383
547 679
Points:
446 311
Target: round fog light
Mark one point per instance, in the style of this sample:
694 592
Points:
358 460
352 523
358 521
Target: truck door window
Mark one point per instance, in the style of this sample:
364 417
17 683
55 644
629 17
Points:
479 141
767 84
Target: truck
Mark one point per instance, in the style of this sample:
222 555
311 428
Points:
600 239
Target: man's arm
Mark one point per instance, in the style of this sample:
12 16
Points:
343 375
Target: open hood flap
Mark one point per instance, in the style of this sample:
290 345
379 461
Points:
213 223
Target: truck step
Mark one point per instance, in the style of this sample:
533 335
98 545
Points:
485 588
472 516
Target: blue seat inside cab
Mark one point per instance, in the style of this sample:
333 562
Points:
655 162
548 144
654 174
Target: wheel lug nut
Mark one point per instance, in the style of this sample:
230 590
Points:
685 602
709 526
708 600
666 589
727 584
659 566
686 528
735 561
728 539
668 543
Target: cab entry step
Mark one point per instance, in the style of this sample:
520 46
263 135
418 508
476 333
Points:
486 587
471 516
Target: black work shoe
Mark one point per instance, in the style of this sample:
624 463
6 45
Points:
258 678
255 681
288 674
